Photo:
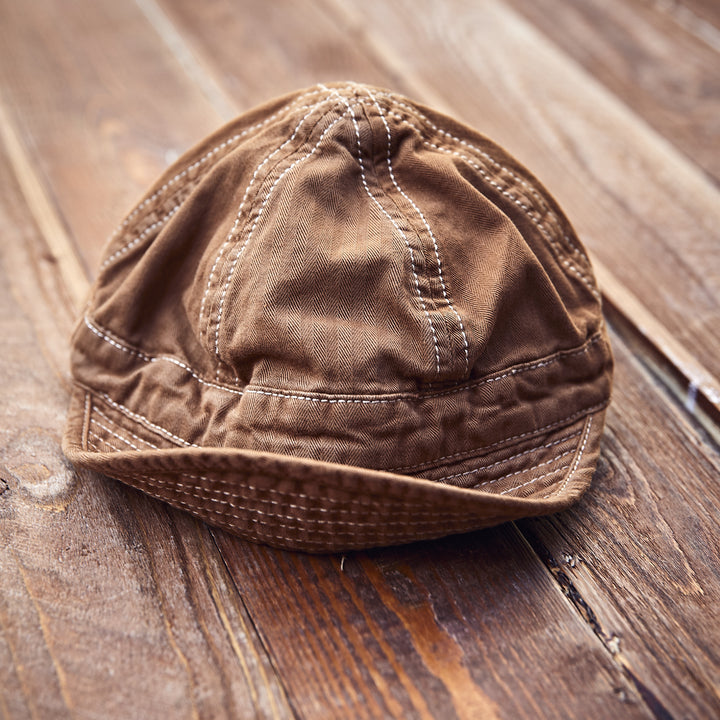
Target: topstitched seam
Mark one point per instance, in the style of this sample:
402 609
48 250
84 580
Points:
397 227
416 113
466 347
86 420
577 460
252 230
507 460
535 479
117 342
110 421
166 433
234 229
533 191
513 198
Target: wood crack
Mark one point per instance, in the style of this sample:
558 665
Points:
611 642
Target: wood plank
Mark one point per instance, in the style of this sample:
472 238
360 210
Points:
639 553
100 104
297 47
456 628
700 17
647 59
646 213
111 605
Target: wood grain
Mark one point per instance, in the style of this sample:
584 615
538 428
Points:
111 605
101 105
299 46
448 629
647 59
648 214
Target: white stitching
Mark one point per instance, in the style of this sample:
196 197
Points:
171 483
507 460
427 226
252 230
115 343
577 460
421 117
411 510
102 333
157 225
141 236
504 441
525 470
513 198
169 435
86 416
234 228
99 412
114 434
535 479
144 421
402 234
543 202
230 141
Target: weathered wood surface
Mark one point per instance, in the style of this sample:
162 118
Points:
112 605
661 67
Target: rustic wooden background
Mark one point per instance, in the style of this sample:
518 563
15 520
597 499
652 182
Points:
115 606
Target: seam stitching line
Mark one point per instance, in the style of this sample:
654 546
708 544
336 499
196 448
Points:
397 227
466 347
577 460
507 460
522 181
512 197
124 429
118 343
239 252
180 441
235 227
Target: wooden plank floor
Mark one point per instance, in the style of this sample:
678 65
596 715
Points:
113 605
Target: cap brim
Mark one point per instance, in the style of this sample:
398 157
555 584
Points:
314 506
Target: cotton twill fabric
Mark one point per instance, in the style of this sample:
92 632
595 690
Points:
344 320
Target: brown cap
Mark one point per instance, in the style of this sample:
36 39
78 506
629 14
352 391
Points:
344 320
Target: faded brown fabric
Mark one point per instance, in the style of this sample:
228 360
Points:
344 320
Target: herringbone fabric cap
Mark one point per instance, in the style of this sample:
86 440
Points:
344 320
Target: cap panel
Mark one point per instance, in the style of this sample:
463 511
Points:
324 294
517 249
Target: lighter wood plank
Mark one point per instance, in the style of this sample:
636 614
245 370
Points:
658 67
697 388
56 236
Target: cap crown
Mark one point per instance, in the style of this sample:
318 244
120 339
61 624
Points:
346 276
